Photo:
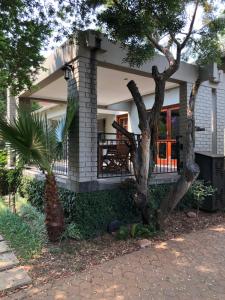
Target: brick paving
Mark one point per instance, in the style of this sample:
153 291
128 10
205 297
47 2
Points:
189 267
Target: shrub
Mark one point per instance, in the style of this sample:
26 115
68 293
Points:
196 195
142 231
3 182
91 212
33 191
3 158
36 221
22 235
73 232
123 233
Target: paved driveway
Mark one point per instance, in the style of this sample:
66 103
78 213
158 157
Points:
189 267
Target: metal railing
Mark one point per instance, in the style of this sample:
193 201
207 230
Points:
61 165
114 156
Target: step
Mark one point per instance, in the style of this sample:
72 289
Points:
8 260
13 278
4 247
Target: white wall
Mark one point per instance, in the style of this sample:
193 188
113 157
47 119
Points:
54 113
171 97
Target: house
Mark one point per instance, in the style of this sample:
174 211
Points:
94 153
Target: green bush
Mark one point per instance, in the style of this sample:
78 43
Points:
3 158
91 212
196 195
33 191
123 233
73 232
36 221
142 231
23 236
3 182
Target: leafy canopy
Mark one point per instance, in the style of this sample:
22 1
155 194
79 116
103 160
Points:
146 27
24 28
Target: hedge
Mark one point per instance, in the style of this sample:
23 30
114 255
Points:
91 212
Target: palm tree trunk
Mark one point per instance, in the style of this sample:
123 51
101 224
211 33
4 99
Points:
53 209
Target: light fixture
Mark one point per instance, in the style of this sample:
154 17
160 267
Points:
68 69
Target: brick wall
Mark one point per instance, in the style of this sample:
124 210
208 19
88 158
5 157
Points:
220 121
213 122
203 119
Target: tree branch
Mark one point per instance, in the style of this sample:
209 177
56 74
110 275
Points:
142 112
191 26
129 135
164 50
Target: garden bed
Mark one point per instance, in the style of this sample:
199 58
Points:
66 258
69 257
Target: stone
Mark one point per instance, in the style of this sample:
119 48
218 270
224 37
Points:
191 214
144 243
1 238
7 260
13 278
114 226
4 247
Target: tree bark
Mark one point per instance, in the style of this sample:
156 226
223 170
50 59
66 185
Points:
191 169
53 209
140 153
155 112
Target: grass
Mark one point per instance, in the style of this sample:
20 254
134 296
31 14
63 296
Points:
25 235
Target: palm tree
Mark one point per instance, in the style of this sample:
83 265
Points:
36 141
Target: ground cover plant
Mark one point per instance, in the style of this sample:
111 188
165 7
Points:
24 231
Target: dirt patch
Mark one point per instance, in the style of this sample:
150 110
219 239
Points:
68 257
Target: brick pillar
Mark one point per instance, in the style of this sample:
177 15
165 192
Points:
185 90
82 150
12 103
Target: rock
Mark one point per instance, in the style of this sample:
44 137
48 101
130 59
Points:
144 243
4 247
191 214
114 226
7 260
13 278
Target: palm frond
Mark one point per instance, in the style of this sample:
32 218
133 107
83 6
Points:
27 137
35 139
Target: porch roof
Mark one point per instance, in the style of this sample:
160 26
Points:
111 87
113 73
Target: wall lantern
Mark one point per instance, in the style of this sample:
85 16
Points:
68 69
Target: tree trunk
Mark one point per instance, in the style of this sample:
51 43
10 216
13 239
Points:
53 209
141 166
191 169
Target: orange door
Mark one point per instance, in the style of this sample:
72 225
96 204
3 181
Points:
167 132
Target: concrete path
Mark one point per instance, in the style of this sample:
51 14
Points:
189 267
11 276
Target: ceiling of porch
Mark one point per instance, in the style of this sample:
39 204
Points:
111 87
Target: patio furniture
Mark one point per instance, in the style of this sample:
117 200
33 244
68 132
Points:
116 158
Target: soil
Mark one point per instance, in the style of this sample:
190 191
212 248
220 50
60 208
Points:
70 256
